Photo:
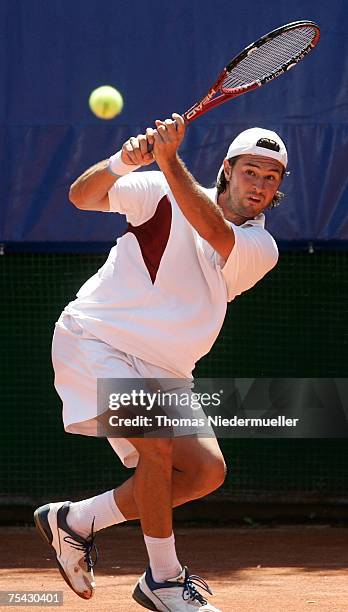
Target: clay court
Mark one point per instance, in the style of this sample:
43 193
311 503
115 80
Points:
262 569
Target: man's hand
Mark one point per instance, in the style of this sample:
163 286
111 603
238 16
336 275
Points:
135 151
166 139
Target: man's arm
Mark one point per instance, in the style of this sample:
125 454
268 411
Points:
90 190
203 214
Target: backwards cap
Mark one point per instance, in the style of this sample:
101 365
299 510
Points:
257 141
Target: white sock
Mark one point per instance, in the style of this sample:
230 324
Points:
102 508
163 560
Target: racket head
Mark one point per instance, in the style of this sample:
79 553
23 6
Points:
269 57
259 63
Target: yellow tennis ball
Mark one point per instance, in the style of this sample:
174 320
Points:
106 102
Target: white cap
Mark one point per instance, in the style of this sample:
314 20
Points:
254 142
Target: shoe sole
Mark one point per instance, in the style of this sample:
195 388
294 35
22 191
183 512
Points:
44 529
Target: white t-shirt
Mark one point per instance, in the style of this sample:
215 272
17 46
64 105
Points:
162 293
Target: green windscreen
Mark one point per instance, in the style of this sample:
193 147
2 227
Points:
292 324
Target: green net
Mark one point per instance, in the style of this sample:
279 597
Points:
292 324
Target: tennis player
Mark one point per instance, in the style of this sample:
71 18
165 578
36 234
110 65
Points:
154 308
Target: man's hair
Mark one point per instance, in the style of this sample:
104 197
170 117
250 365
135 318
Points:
221 184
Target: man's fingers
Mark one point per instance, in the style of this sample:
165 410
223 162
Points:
129 155
128 147
179 120
150 137
157 136
145 154
171 127
162 132
134 143
175 126
166 138
180 123
142 139
150 140
136 151
126 157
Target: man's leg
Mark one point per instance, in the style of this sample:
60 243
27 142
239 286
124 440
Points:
194 465
165 585
152 486
152 494
198 469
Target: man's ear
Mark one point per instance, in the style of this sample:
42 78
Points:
227 169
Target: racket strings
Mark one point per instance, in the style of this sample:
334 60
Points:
269 58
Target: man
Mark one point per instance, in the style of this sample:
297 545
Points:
154 309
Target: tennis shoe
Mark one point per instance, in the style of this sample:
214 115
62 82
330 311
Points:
177 594
73 552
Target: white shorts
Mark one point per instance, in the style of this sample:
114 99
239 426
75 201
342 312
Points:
79 359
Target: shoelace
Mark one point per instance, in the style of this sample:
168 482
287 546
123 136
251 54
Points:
190 592
87 546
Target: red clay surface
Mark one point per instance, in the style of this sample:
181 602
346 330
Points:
262 569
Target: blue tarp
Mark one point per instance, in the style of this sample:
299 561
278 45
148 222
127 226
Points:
162 56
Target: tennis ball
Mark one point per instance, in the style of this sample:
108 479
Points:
105 102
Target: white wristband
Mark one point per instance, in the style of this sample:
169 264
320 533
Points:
117 167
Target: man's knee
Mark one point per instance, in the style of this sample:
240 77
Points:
208 475
214 473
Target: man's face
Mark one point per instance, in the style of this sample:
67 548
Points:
252 183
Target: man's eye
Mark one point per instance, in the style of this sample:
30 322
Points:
250 172
270 177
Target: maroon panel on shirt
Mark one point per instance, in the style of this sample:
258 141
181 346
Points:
153 236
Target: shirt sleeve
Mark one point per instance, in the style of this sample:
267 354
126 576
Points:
137 194
254 254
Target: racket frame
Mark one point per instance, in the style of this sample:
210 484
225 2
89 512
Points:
212 99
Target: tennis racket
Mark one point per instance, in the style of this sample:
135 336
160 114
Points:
259 63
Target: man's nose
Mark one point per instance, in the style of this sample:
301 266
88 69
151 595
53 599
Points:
259 183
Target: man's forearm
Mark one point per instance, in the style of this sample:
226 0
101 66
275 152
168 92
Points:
91 188
203 214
